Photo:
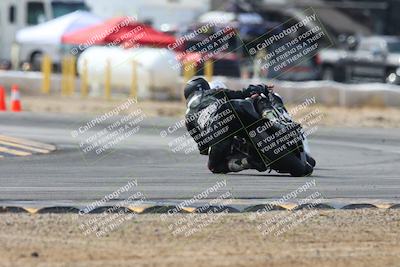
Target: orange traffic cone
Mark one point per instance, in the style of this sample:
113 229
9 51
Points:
15 99
3 106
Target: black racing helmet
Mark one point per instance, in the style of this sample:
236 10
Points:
195 84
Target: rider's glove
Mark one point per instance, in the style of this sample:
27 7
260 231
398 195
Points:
203 149
204 152
257 89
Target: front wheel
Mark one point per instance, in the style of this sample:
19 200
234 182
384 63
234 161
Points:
311 160
300 171
308 170
293 165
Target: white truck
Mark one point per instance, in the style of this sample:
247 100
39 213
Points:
167 15
17 14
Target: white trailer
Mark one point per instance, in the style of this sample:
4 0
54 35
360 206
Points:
17 14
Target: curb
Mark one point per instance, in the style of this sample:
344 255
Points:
168 209
18 147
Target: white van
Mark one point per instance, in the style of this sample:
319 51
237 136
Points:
17 14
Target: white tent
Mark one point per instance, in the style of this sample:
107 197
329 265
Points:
51 31
227 17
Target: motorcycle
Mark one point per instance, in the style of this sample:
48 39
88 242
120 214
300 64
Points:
269 135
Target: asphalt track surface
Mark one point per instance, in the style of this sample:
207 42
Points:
351 163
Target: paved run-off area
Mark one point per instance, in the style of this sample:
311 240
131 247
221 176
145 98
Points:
367 237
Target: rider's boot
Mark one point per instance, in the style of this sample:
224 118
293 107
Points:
237 165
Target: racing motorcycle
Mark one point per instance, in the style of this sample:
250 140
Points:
270 135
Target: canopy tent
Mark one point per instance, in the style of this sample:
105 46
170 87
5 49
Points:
50 32
120 30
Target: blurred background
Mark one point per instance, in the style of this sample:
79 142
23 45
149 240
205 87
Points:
150 48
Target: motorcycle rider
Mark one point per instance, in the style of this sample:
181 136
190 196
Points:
203 104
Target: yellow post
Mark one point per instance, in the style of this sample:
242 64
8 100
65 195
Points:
46 70
192 68
185 71
72 75
209 69
189 70
134 80
64 76
107 81
84 80
68 75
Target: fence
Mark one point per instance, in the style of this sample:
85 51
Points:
69 77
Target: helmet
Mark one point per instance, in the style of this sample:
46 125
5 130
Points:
195 84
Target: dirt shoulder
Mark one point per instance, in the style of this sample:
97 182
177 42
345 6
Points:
327 238
332 116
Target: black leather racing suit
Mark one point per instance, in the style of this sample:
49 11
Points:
203 110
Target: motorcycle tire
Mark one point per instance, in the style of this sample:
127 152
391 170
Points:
293 165
311 160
